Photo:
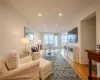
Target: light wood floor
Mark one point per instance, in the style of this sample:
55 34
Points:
80 69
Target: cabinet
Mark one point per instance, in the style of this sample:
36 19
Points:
72 52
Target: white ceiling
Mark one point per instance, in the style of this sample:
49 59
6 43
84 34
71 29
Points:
49 9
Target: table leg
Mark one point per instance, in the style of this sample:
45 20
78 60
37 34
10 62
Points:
90 70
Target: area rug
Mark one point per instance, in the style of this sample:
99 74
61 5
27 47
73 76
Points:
62 70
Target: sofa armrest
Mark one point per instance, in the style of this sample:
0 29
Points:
25 59
27 71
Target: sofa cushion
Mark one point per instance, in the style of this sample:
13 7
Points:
45 68
2 66
12 60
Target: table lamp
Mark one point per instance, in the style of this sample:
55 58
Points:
39 41
25 41
39 44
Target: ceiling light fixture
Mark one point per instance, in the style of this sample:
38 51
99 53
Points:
44 25
56 25
60 14
39 15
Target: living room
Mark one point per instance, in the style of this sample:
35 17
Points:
15 15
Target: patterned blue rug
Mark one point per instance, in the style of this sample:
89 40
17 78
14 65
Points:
61 68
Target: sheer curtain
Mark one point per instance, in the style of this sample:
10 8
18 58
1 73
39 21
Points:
64 39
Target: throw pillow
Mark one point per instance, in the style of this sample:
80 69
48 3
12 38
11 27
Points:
12 60
33 49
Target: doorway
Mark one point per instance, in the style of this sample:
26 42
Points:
88 38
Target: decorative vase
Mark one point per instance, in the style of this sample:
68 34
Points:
98 47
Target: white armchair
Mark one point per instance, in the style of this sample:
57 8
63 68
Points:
26 71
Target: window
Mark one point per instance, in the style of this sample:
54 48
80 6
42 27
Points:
48 38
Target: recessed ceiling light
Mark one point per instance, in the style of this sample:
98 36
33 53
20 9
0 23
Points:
44 25
56 25
60 14
39 15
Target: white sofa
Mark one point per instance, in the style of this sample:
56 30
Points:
27 70
45 66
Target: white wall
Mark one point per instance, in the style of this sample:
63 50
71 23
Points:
59 40
42 36
11 30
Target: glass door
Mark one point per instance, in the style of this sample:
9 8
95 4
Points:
51 39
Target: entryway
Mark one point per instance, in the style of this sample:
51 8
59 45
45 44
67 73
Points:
88 38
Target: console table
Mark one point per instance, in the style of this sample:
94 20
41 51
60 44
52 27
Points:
93 55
